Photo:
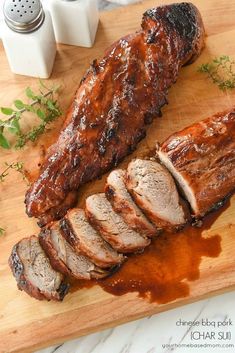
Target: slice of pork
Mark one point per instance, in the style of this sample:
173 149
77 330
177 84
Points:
33 271
122 203
201 157
64 259
155 192
112 226
85 239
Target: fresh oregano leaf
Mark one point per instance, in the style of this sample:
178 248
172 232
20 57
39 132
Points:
14 127
4 142
29 93
51 105
19 104
7 111
41 114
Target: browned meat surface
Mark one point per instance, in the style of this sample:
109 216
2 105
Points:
202 160
116 99
84 238
33 272
112 226
64 258
122 203
155 192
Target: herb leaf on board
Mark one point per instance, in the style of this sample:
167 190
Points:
221 70
17 166
43 105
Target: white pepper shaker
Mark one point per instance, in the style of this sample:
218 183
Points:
75 21
28 38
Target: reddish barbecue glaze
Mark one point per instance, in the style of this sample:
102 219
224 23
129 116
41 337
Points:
163 271
116 99
202 159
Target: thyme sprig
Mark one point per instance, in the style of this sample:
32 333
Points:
17 166
43 105
221 71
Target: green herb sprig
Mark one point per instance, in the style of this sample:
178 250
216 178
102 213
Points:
43 105
17 166
221 71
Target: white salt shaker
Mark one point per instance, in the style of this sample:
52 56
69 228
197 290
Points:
75 21
28 38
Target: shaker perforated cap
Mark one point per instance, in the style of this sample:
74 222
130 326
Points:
23 16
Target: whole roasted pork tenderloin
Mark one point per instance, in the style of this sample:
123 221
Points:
118 97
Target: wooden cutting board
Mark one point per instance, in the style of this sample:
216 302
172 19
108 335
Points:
26 324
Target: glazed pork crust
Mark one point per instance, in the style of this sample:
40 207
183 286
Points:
116 99
202 159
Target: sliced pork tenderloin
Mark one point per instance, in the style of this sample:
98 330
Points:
86 240
33 272
122 203
64 259
112 227
155 192
202 159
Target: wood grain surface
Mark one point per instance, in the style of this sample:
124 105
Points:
26 324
